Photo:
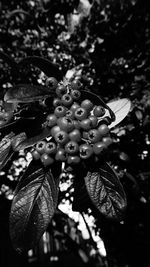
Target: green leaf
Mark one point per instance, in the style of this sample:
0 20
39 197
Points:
49 68
6 149
26 93
33 205
106 192
17 140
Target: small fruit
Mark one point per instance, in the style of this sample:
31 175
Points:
85 124
66 124
40 147
69 114
87 104
51 120
74 107
76 84
72 160
56 102
46 159
60 155
71 147
80 114
75 94
50 148
66 100
86 151
61 90
55 130
107 140
103 129
94 135
36 155
76 124
61 137
75 135
93 120
60 111
99 147
51 82
99 111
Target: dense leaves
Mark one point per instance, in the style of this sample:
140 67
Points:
33 206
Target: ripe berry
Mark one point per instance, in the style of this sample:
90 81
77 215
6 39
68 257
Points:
87 104
107 140
94 135
80 114
61 137
103 129
99 147
51 83
61 90
46 159
60 155
75 135
50 148
73 160
36 155
56 102
76 84
85 134
66 100
71 147
69 114
93 120
74 107
75 94
85 124
99 111
40 147
66 124
55 130
86 151
60 111
76 124
51 120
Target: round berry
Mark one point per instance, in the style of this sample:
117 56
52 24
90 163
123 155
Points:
60 155
107 140
66 100
40 147
55 130
51 120
76 84
60 111
80 114
103 129
51 83
61 137
66 124
94 121
75 135
56 102
85 124
71 147
99 147
99 111
72 160
86 151
50 148
75 94
76 124
74 107
46 159
94 135
87 104
61 90
69 114
36 155
85 134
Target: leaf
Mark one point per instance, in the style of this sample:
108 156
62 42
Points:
106 192
26 93
17 140
5 149
33 205
33 140
120 108
49 68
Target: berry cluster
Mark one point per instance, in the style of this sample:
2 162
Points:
78 128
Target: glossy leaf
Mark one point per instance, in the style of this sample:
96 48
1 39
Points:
33 205
26 93
120 108
49 68
5 149
17 140
106 192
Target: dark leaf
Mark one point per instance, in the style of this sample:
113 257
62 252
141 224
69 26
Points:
17 140
5 149
33 205
26 93
49 68
106 192
33 140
